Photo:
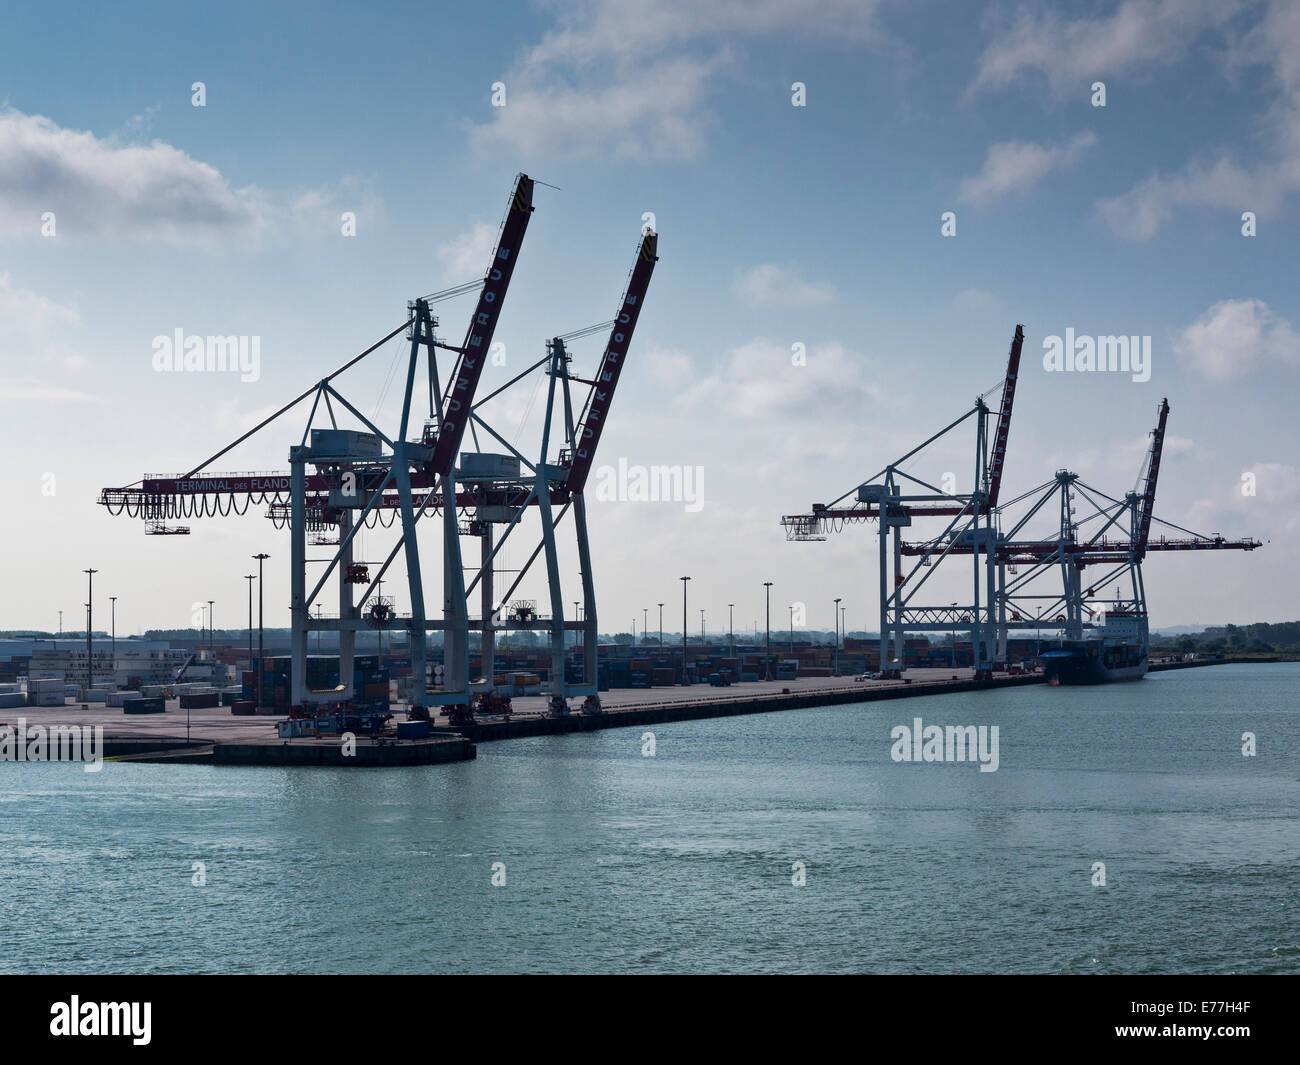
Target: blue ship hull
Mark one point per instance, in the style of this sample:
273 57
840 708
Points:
1094 665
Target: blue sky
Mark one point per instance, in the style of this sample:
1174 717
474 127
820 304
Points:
779 225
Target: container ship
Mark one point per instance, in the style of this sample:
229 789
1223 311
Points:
1116 651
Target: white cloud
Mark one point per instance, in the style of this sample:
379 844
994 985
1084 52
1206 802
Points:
467 256
1218 181
1270 511
39 339
1015 166
667 367
112 189
32 390
105 188
630 79
1235 337
1127 456
650 112
32 325
760 380
1073 53
770 285
593 30
1140 35
1145 208
975 299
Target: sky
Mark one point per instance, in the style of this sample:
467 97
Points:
809 319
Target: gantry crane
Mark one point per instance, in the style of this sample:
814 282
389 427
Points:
1117 542
352 472
355 483
1120 541
882 499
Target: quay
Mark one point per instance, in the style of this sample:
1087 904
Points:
216 737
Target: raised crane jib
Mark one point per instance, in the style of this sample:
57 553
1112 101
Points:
1153 471
1004 417
596 412
478 339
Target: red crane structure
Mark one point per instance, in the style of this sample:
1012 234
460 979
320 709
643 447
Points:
341 480
1114 534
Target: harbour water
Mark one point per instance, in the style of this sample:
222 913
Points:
683 862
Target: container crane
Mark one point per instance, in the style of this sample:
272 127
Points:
1119 538
352 474
882 499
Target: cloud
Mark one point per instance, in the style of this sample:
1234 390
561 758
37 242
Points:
647 113
1141 35
1269 511
1235 337
770 285
468 255
629 80
39 341
1073 53
137 127
1127 455
108 188
665 368
1015 166
975 299
105 188
595 30
759 380
1216 180
1144 209
32 390
31 325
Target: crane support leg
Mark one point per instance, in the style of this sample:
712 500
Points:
455 612
488 641
589 637
297 578
347 634
419 636
559 703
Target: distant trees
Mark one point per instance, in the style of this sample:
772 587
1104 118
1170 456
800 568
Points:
1260 637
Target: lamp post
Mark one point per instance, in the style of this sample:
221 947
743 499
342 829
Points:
645 624
212 631
731 629
767 641
250 577
792 630
90 612
261 557
685 676
835 659
60 624
703 639
112 600
661 624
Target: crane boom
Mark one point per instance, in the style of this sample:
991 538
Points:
1153 472
478 338
596 412
1004 417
